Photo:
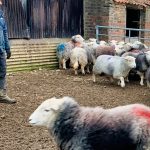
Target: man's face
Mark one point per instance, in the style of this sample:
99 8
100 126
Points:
0 2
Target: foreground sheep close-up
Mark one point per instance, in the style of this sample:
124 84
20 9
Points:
75 127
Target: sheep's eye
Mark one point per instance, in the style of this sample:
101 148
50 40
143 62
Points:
47 110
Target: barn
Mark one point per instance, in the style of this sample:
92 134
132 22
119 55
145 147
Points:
37 26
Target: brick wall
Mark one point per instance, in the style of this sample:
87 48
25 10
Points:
109 13
117 18
104 13
147 26
96 12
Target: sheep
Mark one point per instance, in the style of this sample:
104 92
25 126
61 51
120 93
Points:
122 47
64 49
139 45
76 127
142 62
78 57
107 50
115 66
89 47
147 76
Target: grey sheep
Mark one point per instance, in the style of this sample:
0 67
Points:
114 66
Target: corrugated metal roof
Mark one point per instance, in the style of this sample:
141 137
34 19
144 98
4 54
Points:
144 3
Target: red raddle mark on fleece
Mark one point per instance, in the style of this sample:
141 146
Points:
142 112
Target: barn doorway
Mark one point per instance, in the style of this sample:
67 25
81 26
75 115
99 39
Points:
133 21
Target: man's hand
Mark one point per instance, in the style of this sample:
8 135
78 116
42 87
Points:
8 55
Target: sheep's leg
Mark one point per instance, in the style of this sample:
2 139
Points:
60 64
121 81
142 78
82 69
76 72
127 79
111 79
64 64
94 77
88 69
118 82
148 84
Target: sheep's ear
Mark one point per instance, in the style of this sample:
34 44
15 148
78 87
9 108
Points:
54 110
126 58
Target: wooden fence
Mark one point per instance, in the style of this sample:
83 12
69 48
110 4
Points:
33 54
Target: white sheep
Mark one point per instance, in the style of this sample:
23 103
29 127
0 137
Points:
78 57
139 45
64 49
114 66
75 127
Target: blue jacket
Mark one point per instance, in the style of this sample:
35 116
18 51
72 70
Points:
4 41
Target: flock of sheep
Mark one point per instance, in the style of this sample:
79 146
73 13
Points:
114 59
76 127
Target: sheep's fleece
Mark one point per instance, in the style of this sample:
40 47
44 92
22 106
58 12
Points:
85 128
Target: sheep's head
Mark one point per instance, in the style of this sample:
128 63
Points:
77 39
139 45
47 112
113 42
92 40
103 43
130 61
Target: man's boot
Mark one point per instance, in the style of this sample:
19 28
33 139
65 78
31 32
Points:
5 99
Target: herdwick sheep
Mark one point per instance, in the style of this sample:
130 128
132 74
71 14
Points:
64 49
114 66
78 57
122 48
75 127
139 45
148 77
142 64
105 50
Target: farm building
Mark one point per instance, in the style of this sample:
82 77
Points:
45 23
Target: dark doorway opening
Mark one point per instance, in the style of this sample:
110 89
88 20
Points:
133 21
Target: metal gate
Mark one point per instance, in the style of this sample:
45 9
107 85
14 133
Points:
110 32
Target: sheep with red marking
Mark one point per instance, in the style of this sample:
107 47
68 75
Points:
76 127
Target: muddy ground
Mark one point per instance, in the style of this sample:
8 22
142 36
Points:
31 88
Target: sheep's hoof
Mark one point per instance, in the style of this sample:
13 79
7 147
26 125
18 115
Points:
141 84
122 86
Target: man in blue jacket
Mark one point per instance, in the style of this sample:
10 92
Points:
4 53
